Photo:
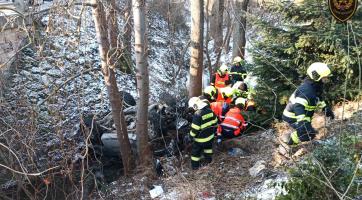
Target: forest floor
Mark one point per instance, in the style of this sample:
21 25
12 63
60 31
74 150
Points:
253 171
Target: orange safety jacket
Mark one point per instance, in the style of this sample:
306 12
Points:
217 108
220 81
222 98
234 121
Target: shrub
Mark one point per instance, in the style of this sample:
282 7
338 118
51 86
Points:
326 173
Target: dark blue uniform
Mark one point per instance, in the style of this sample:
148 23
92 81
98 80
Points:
300 109
203 129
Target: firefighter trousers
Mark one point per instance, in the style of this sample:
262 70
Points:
199 149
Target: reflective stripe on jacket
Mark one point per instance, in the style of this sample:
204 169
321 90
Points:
303 102
220 81
203 127
238 73
234 120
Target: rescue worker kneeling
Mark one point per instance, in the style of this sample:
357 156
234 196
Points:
203 129
234 123
240 89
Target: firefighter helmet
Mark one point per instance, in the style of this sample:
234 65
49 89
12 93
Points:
193 102
211 91
237 59
240 101
318 70
223 68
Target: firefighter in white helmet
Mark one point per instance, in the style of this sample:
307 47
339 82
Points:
203 130
304 101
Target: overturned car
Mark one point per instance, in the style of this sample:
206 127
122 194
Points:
167 127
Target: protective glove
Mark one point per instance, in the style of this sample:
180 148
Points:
219 140
187 139
329 113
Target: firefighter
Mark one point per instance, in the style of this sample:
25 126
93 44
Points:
218 107
225 94
234 123
240 89
221 78
203 129
237 71
304 101
210 93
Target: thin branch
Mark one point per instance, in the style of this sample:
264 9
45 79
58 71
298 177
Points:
65 82
28 174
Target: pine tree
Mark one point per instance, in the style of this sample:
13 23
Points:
304 33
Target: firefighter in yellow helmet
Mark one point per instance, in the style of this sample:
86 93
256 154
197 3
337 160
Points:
304 101
203 130
210 93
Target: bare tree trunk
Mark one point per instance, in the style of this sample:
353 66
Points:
219 37
196 61
215 15
127 31
210 30
99 18
113 32
229 26
113 26
144 149
239 40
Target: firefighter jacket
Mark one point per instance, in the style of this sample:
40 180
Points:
220 81
234 121
238 73
204 124
220 109
303 102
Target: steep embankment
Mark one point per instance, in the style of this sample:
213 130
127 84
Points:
254 169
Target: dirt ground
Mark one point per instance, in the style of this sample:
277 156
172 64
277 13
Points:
227 177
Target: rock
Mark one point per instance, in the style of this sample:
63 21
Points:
285 138
55 73
45 66
236 152
26 74
257 168
300 152
45 80
266 190
284 150
37 70
157 191
111 144
128 99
